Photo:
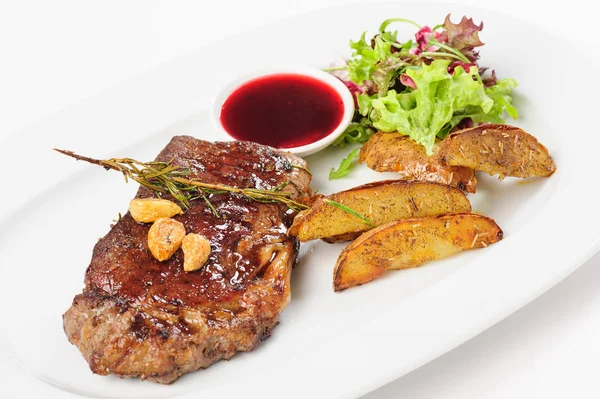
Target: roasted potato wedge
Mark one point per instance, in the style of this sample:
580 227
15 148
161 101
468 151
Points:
380 202
502 150
393 152
409 243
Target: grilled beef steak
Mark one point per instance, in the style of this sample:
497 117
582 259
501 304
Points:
139 317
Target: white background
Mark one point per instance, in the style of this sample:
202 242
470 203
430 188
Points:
53 54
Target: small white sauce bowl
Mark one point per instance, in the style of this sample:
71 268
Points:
325 77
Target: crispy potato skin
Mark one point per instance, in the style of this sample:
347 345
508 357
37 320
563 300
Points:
381 202
344 237
409 243
393 152
501 150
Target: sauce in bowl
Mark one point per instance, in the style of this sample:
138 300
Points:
299 112
282 110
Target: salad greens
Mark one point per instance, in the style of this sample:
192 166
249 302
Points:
345 165
423 88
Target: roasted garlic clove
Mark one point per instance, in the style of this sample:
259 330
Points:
196 249
148 210
165 237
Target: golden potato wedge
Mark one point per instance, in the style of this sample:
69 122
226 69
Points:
380 202
409 243
393 152
502 150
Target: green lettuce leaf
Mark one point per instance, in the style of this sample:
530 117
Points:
364 103
502 99
500 93
356 133
345 165
363 61
379 59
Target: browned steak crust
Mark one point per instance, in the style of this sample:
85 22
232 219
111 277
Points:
141 317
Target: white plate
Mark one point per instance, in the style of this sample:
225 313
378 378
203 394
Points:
327 345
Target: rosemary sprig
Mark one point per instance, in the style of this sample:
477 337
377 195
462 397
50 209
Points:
164 178
351 211
210 205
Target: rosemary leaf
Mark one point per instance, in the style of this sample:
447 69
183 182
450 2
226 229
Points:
302 168
350 211
211 206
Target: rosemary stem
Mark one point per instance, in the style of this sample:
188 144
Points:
162 177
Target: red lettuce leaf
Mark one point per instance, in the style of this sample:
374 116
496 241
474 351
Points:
464 35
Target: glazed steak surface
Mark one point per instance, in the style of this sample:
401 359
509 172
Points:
139 317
